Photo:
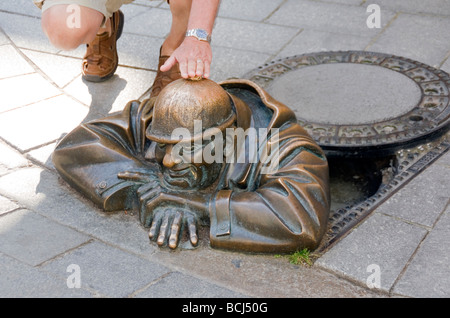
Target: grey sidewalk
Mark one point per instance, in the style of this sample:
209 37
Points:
45 227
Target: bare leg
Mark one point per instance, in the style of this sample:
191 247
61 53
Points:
180 10
66 36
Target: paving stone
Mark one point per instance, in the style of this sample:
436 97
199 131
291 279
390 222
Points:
309 41
12 63
154 21
19 280
7 205
41 191
178 285
103 98
422 199
50 118
250 10
3 39
26 32
331 17
446 66
251 36
149 3
134 9
413 36
11 158
61 70
382 242
33 239
43 155
428 273
20 6
230 62
349 2
439 7
260 275
108 270
34 85
139 51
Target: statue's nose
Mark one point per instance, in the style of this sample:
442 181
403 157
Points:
169 159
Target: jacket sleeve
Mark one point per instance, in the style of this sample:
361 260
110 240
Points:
90 157
286 212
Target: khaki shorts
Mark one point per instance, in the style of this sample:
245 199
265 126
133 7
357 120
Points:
106 7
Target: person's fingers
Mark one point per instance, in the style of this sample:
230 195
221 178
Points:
183 65
170 62
192 229
163 230
200 68
207 68
192 66
155 225
175 230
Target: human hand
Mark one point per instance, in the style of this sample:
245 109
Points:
193 56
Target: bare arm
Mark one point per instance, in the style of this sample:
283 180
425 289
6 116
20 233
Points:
194 56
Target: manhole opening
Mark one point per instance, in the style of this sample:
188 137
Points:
359 185
355 180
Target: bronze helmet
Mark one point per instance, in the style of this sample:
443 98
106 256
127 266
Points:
185 101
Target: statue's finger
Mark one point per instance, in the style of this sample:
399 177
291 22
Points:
146 187
155 225
175 230
192 229
163 229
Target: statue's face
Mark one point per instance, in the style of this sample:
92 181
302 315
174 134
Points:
183 165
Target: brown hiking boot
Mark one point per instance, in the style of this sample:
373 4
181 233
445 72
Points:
101 59
164 78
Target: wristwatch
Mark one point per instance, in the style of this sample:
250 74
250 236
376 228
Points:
200 34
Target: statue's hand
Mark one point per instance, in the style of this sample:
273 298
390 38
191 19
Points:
167 224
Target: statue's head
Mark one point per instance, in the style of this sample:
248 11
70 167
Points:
189 118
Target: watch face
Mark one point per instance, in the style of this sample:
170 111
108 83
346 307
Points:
202 34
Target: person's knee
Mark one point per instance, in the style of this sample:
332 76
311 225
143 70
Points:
66 30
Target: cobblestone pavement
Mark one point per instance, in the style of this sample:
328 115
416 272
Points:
49 234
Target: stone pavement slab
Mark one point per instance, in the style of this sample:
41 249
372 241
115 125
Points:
60 70
252 36
33 239
7 205
309 41
382 242
178 285
107 270
317 15
41 191
249 10
417 37
12 63
38 89
437 7
19 280
423 199
428 273
57 116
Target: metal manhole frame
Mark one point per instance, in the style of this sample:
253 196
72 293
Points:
428 120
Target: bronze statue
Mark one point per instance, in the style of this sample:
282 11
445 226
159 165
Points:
179 159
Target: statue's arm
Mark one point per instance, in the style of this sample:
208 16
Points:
287 212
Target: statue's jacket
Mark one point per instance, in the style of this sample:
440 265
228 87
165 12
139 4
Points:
283 209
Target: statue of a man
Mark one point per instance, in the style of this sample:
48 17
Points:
226 154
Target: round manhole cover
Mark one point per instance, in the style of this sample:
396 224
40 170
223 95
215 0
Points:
359 103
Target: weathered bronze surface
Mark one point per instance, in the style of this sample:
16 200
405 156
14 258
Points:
126 161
